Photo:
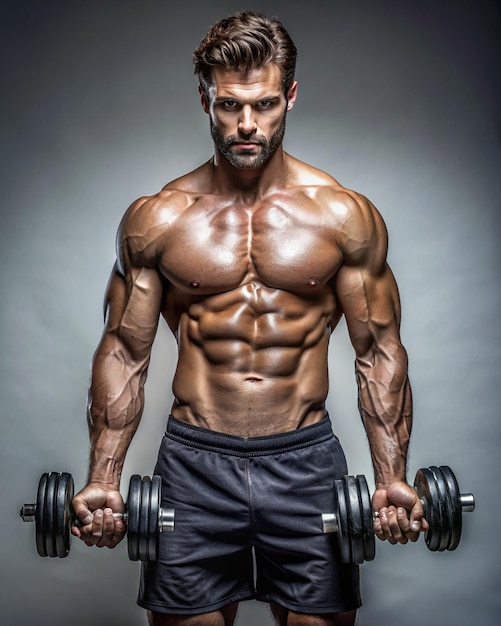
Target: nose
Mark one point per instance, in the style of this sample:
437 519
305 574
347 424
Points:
247 123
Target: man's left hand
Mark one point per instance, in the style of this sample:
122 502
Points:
399 514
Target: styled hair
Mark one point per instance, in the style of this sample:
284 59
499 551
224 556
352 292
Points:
243 42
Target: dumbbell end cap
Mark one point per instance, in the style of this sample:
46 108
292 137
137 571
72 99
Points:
329 523
467 502
28 512
166 520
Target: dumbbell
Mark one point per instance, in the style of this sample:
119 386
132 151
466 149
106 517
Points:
352 521
53 516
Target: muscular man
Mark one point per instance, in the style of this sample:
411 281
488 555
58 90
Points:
251 259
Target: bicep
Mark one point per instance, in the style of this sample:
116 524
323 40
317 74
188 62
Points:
371 305
132 309
365 286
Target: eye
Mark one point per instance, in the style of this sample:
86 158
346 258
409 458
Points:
230 105
266 104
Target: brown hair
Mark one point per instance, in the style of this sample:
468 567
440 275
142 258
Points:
243 42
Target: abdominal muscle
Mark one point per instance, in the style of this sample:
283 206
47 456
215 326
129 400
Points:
253 361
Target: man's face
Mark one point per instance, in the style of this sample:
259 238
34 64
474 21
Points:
247 114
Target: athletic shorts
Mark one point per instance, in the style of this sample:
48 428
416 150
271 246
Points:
248 523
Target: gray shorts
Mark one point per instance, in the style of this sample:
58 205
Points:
248 523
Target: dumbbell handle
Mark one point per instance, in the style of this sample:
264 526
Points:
330 522
165 517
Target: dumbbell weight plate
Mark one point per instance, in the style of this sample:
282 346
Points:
154 527
367 519
143 521
39 516
49 514
454 506
427 490
355 519
62 514
342 522
144 516
445 507
133 513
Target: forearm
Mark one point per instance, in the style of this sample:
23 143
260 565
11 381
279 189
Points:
114 412
385 402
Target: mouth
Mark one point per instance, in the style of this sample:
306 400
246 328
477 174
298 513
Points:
245 145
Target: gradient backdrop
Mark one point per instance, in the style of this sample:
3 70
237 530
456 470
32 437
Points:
399 100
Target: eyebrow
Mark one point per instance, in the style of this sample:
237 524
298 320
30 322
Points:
235 99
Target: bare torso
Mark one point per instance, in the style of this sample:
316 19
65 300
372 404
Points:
249 295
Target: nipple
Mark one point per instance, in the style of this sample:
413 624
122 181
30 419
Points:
312 281
195 284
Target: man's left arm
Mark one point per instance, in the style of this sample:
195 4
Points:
368 294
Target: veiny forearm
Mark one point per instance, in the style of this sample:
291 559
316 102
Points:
116 400
385 403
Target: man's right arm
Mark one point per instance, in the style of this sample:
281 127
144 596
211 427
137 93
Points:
116 394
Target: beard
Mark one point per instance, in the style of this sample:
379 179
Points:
242 159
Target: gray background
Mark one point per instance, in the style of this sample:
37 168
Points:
399 100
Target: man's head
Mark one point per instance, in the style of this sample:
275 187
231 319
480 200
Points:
243 42
246 67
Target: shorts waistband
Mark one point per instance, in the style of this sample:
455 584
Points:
205 439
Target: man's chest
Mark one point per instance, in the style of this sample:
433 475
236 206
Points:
219 249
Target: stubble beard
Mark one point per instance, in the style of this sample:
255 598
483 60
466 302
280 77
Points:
242 159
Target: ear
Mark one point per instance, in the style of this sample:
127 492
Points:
292 95
203 99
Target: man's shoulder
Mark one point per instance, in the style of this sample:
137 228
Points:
356 224
148 220
328 191
163 207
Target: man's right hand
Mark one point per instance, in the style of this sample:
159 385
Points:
94 506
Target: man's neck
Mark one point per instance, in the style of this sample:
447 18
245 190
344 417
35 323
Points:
250 183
